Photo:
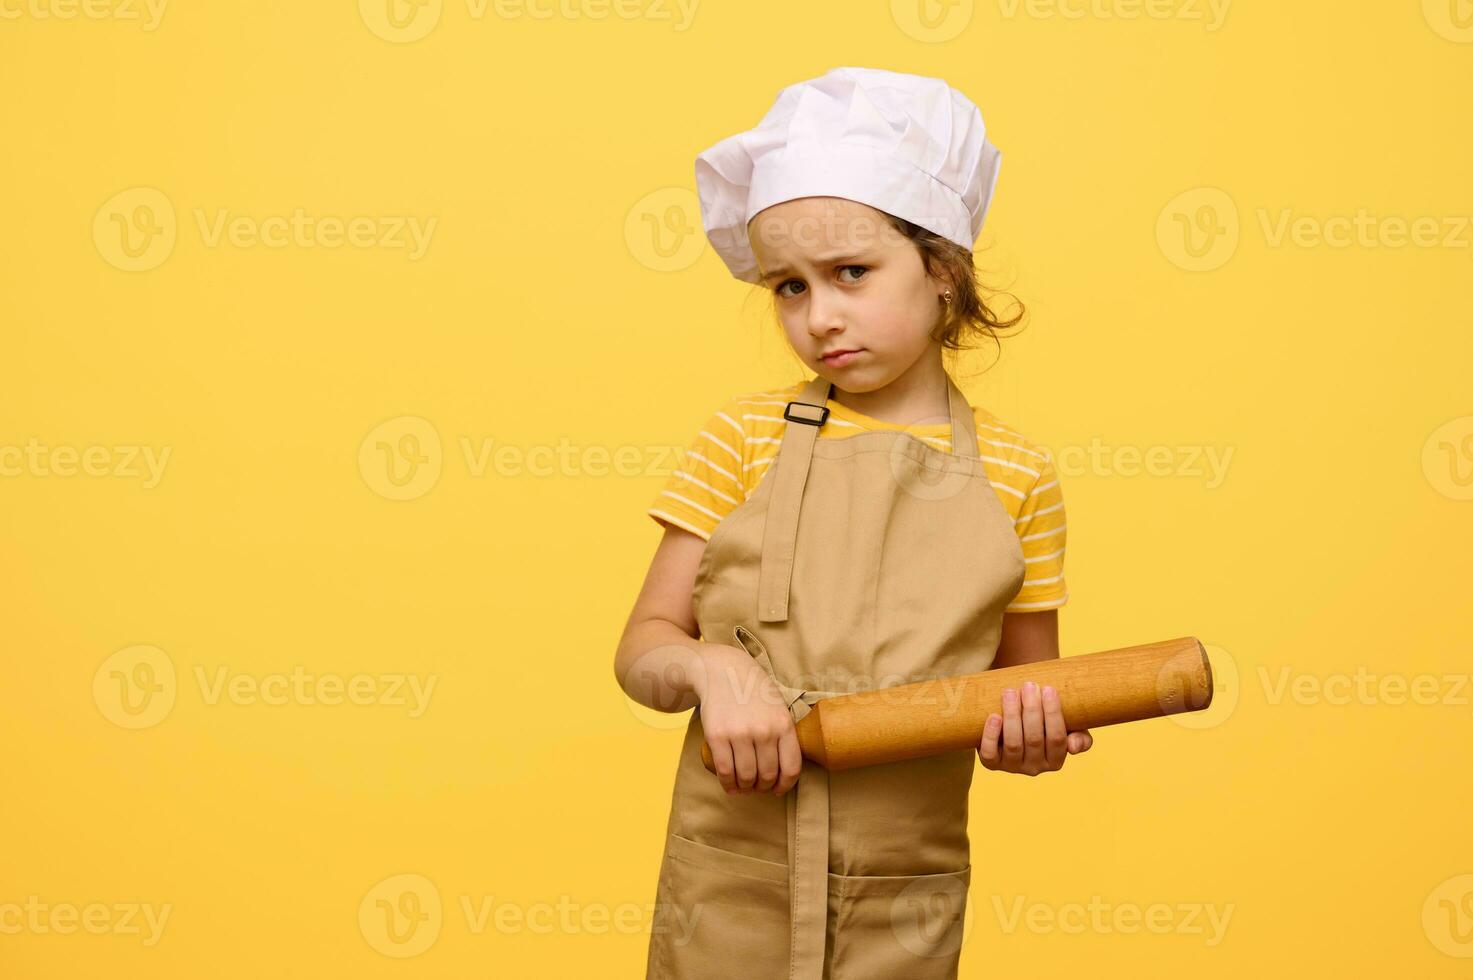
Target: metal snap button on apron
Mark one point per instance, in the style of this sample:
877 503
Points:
858 562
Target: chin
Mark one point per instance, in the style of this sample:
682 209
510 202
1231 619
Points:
854 382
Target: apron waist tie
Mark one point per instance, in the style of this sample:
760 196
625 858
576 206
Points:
808 833
808 856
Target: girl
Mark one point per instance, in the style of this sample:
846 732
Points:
862 528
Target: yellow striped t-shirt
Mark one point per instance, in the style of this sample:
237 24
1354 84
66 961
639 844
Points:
738 444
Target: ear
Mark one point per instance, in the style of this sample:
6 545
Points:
941 283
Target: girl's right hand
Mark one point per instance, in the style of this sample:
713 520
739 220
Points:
753 742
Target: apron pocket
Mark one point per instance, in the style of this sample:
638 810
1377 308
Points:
900 925
723 914
719 859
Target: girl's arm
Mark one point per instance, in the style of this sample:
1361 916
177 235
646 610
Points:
662 663
1028 638
657 658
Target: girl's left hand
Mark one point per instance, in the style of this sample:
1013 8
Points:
1033 734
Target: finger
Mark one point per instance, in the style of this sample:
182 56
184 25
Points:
791 757
721 759
744 757
1012 730
987 748
1033 733
1080 741
767 764
1056 732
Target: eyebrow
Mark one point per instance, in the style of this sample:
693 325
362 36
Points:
782 270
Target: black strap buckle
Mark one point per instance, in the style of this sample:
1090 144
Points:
822 418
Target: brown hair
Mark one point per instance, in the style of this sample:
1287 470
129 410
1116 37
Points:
968 315
968 319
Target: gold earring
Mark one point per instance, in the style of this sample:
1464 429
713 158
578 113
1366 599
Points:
947 297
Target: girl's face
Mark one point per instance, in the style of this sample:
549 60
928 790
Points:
844 279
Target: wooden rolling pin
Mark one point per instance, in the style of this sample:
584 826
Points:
909 721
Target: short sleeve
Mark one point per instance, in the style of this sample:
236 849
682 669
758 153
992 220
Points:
1042 532
706 484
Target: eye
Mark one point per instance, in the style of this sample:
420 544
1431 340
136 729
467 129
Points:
782 285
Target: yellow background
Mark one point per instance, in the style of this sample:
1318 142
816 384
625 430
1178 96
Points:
568 297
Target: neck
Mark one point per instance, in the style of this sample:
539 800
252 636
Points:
919 396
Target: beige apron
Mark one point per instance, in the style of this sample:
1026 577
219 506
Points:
860 562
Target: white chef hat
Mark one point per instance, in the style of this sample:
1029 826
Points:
908 145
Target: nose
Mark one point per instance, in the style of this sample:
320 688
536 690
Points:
824 313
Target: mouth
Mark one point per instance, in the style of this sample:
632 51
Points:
839 358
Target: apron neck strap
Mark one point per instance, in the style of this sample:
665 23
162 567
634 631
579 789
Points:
963 423
805 415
